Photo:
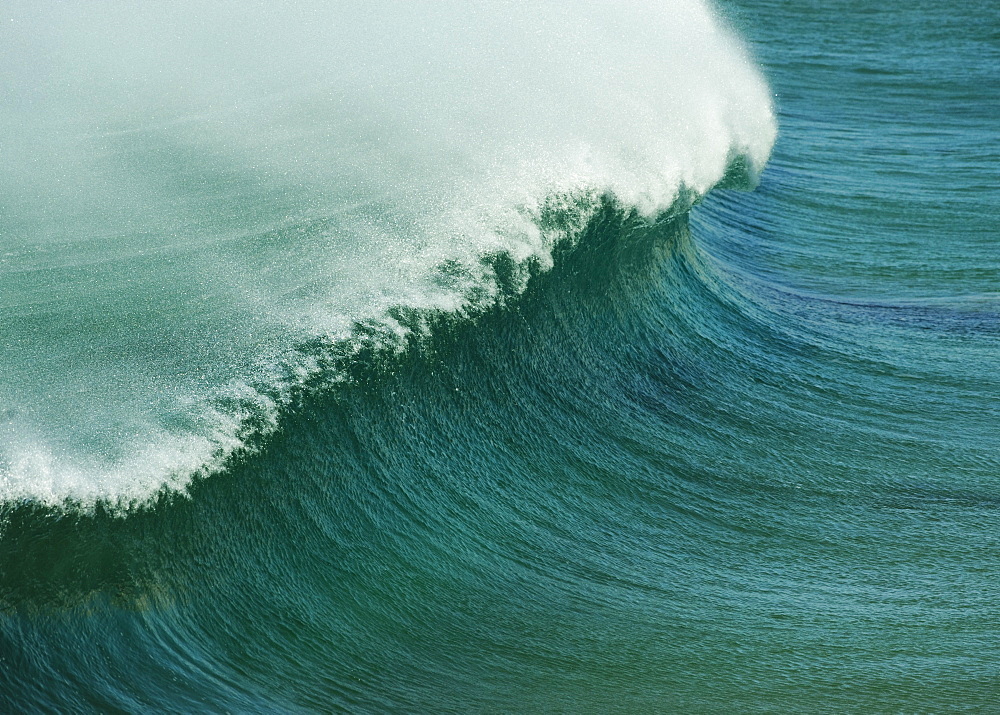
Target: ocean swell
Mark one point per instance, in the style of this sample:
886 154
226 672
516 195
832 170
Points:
202 227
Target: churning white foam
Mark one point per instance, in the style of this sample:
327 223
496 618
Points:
192 189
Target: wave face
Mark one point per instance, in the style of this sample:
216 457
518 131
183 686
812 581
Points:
194 193
424 359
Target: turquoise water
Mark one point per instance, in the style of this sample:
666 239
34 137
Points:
378 360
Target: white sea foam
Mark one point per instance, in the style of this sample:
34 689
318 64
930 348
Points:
193 189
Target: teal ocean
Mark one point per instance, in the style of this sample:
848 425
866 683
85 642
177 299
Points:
509 357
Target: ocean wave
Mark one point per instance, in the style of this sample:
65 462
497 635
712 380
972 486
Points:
210 241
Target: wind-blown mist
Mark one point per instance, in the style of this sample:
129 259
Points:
192 192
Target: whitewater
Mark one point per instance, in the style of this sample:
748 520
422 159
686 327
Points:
201 204
434 357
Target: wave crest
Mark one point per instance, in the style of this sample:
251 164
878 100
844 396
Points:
225 230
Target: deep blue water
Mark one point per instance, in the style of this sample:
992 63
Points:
642 457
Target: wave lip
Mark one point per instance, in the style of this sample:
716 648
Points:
189 231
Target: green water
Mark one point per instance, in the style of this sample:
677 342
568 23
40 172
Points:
743 457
